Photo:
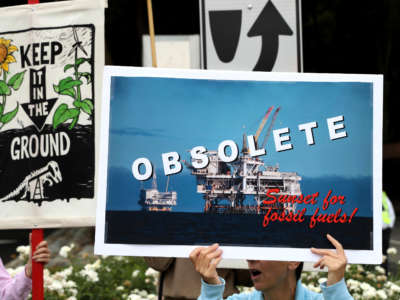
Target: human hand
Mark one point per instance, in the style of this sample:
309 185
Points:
334 260
41 254
205 261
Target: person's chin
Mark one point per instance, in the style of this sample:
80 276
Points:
257 283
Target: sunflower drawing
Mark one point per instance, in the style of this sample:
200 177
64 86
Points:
14 83
6 57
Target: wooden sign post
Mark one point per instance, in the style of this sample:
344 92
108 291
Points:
151 32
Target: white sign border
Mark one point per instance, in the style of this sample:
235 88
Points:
373 256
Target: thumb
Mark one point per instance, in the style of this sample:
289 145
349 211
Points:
28 266
30 251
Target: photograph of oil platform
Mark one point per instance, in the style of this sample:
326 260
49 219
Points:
154 200
225 185
224 201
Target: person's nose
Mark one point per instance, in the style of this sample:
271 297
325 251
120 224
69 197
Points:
251 261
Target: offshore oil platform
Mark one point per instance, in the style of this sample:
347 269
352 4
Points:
225 185
154 200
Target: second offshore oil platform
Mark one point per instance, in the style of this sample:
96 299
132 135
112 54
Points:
225 185
154 200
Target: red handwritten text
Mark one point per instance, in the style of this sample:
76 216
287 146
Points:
271 199
332 200
331 218
297 217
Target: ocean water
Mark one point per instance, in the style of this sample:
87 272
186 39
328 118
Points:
177 228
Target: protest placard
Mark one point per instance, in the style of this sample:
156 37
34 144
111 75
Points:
266 164
52 58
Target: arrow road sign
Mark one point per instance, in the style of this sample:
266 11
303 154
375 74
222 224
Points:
259 35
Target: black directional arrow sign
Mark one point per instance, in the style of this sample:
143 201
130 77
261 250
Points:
38 108
269 25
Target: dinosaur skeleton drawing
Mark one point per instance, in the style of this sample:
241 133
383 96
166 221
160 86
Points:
32 187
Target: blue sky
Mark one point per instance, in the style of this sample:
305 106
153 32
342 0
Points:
151 116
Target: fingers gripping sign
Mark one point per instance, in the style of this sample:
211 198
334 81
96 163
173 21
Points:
205 261
334 260
41 254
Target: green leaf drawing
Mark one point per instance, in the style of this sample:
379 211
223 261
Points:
69 66
89 102
81 60
69 92
9 116
16 80
87 106
77 104
74 120
58 113
87 75
63 114
1 109
68 83
4 89
72 87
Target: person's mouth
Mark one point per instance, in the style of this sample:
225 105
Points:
254 273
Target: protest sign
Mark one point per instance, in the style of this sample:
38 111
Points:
263 163
52 58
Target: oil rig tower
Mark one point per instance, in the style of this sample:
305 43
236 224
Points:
225 186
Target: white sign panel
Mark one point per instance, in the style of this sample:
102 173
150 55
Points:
182 165
173 51
52 59
251 35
